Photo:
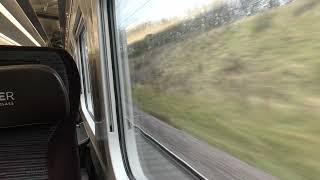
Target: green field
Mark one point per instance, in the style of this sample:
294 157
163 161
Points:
251 88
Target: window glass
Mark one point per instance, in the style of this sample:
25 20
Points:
230 87
85 68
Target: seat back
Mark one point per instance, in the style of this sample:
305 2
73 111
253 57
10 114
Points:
39 94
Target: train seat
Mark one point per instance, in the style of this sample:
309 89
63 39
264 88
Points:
38 110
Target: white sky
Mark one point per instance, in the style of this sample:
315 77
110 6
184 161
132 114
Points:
134 12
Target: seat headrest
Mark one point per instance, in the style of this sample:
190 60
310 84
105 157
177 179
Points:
31 94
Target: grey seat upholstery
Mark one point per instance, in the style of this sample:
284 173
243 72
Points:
39 101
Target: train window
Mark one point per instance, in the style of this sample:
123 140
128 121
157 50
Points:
224 89
85 69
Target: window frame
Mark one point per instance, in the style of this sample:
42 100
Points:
121 78
86 72
122 134
79 30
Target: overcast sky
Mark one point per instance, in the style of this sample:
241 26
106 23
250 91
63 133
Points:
134 12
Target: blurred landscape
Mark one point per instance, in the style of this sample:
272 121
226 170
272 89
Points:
243 78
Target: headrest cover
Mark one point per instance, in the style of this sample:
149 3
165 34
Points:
31 94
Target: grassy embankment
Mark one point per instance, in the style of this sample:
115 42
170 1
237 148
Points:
251 88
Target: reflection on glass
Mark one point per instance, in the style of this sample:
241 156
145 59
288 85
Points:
241 76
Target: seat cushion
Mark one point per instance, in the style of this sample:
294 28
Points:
24 153
61 160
